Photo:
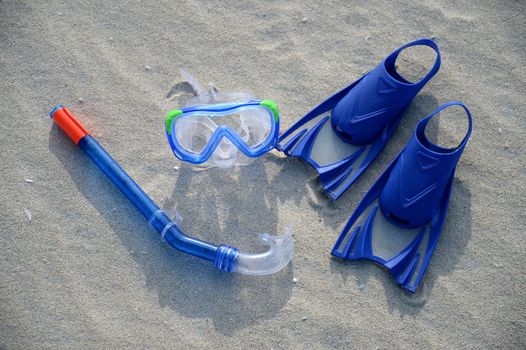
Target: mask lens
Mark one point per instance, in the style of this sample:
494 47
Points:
258 123
194 133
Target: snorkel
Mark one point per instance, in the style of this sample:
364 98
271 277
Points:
224 257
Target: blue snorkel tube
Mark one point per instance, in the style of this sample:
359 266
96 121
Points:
224 257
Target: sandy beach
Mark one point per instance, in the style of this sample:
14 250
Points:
80 268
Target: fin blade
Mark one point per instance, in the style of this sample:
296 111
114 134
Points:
365 248
334 174
407 275
400 262
359 245
347 249
287 147
301 144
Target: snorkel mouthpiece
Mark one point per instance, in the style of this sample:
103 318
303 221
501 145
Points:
279 254
224 257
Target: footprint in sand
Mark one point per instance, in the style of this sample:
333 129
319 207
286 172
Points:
181 92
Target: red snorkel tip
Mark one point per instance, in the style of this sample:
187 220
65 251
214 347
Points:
67 122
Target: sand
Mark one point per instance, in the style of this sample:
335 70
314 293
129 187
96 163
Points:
80 267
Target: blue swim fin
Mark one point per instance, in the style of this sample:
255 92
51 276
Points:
362 118
412 195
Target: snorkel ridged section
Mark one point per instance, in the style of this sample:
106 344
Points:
226 257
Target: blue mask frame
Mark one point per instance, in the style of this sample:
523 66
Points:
223 131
